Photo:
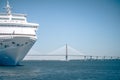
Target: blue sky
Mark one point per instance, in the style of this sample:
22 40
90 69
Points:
90 26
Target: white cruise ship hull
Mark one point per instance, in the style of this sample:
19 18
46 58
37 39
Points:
14 49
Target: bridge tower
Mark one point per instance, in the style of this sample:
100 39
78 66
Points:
66 56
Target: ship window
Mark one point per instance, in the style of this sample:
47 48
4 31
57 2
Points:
26 42
13 42
18 19
4 18
6 46
16 26
18 44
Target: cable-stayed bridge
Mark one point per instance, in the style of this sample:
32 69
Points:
67 53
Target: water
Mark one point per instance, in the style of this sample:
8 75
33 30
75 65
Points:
62 70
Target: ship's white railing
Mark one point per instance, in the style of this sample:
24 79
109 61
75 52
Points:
13 14
12 21
10 35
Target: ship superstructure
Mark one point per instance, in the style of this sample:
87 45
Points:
17 36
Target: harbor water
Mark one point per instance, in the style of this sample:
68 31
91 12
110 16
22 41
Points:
62 70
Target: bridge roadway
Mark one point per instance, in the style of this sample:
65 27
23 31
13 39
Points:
82 56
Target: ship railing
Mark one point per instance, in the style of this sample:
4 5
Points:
14 14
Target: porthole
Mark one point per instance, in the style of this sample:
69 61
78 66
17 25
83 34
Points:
18 44
26 42
13 42
6 46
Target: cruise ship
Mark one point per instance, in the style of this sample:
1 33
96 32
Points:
17 36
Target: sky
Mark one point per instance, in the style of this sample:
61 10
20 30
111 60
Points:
89 26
